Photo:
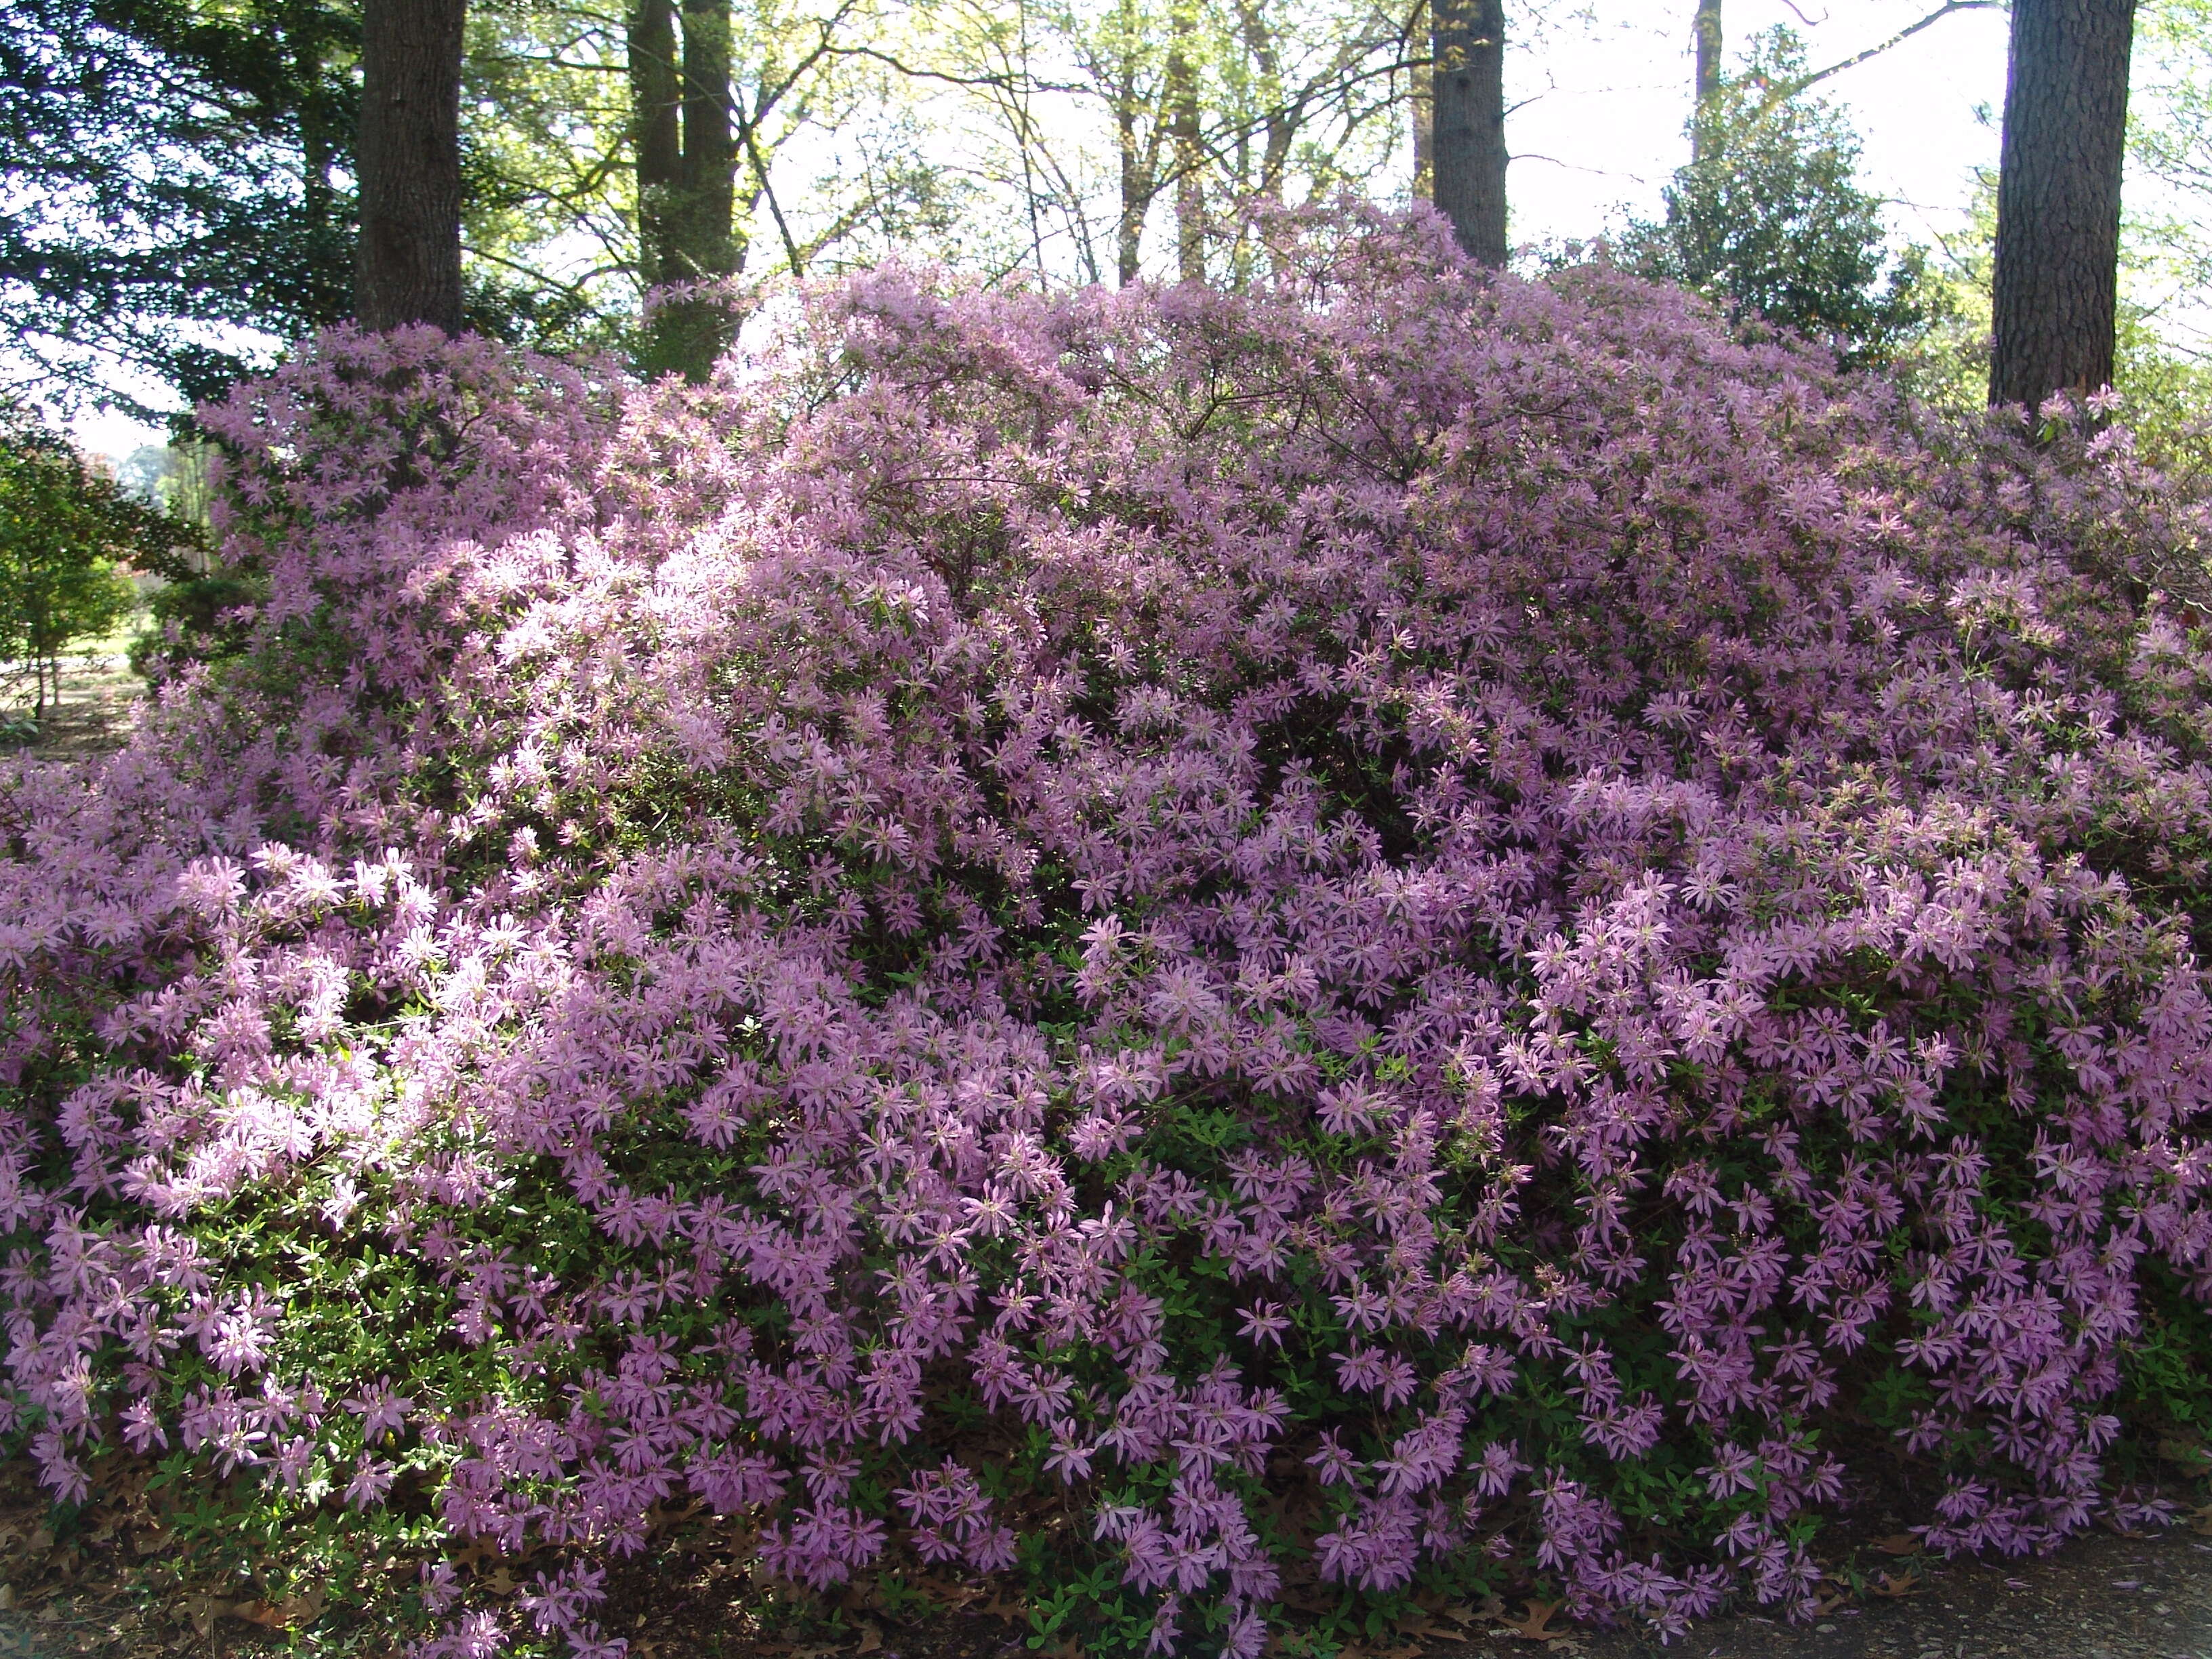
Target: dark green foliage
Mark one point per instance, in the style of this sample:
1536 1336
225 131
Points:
64 531
176 185
1770 221
180 201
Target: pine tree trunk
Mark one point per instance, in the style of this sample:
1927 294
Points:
2059 198
1467 151
408 162
1424 88
1190 158
710 155
687 168
655 136
1710 39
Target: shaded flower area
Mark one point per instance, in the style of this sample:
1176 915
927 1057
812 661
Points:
1402 931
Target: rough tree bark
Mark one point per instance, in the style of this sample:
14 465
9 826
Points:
1710 38
407 160
655 135
687 165
2058 198
1140 160
710 150
1424 87
1190 157
1467 150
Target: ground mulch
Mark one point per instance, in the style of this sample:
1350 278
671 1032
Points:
113 1587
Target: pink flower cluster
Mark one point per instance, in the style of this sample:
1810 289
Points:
1330 918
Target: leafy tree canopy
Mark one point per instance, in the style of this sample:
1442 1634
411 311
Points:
66 530
1771 221
172 192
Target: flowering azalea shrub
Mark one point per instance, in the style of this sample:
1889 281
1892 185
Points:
1226 953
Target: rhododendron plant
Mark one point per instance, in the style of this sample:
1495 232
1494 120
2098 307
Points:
1219 949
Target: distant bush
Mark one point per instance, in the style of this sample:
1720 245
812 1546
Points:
66 533
1239 954
1770 220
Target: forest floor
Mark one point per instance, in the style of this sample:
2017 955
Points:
98 701
2100 1597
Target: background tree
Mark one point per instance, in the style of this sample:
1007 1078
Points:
1708 39
1770 220
407 266
2055 286
119 279
1708 43
1096 111
1468 155
2165 259
67 530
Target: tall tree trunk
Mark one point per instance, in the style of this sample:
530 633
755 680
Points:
656 136
710 153
1136 191
687 166
2058 198
1425 114
1267 60
1190 157
1139 161
1467 41
407 160
1709 39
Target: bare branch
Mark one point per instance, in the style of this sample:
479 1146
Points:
1792 89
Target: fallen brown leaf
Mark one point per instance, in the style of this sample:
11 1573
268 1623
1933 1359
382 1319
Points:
1898 1543
1896 1584
871 1638
1535 1626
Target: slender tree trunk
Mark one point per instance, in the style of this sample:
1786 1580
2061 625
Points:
1190 158
1468 156
1267 60
408 162
1141 162
1425 114
655 135
710 154
2059 198
687 169
1710 39
1136 193
305 27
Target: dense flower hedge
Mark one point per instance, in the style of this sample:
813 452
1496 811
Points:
1217 949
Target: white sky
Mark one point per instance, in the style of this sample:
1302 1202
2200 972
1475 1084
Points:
1600 109
1602 123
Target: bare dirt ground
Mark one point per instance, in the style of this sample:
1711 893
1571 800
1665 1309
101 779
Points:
2099 1598
98 701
